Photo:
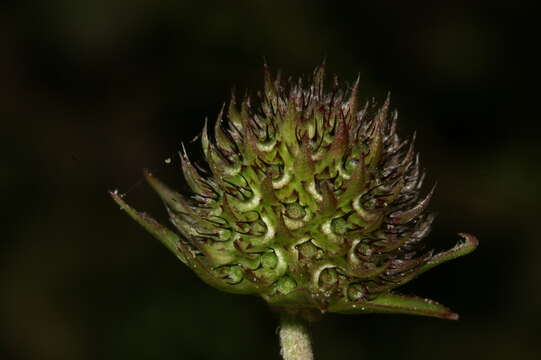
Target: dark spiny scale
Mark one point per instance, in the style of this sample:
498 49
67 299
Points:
412 176
310 202
197 183
224 140
403 217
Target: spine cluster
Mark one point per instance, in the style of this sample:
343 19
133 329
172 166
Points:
306 200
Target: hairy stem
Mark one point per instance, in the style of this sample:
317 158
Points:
294 338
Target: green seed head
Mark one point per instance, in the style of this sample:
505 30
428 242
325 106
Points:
309 201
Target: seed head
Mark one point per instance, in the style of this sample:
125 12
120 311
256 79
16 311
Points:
307 200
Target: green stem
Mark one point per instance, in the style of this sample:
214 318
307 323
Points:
294 338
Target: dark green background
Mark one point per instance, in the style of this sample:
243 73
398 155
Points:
92 92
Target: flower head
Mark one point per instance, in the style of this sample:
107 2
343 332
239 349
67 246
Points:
309 201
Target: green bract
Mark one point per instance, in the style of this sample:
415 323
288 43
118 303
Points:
308 202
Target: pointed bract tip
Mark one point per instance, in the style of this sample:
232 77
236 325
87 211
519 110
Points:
266 71
470 241
460 249
117 197
319 74
352 102
147 174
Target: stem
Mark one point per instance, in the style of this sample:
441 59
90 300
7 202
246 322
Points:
294 338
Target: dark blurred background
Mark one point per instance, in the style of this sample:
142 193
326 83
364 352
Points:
92 92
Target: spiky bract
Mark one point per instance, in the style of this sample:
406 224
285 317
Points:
308 201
